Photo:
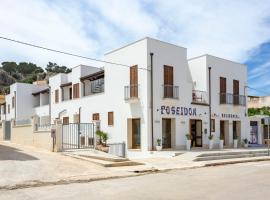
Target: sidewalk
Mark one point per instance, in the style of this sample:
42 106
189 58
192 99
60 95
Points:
22 167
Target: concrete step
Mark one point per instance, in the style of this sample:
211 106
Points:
105 163
232 153
230 156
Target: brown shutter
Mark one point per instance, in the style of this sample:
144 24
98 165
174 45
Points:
65 120
110 118
56 95
76 91
95 117
235 87
134 81
223 88
168 81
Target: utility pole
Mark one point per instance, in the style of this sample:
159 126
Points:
209 97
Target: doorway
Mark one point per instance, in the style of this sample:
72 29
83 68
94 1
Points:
136 133
196 132
224 132
166 133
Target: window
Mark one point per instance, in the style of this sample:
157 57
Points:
70 93
110 118
56 96
213 127
8 108
76 91
65 120
95 117
13 102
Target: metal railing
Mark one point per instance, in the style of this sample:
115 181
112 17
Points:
131 92
43 127
170 91
228 98
199 96
22 122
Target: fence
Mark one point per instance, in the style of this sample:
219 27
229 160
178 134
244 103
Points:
22 122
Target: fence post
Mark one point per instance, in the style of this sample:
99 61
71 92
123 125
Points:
58 136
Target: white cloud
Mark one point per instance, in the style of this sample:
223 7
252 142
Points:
228 29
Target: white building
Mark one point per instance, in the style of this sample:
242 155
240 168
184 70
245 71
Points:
20 103
120 97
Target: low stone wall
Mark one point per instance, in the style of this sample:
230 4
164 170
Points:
26 136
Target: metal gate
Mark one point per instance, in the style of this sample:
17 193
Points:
78 136
7 130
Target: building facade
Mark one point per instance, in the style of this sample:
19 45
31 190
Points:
154 92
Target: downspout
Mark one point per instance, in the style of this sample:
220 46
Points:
152 103
210 95
79 121
50 105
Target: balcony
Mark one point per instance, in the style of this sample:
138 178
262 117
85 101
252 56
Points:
199 97
170 91
227 98
131 92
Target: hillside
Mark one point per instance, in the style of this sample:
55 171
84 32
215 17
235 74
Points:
11 72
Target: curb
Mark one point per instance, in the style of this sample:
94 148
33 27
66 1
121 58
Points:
235 162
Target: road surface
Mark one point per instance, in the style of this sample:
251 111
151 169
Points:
240 181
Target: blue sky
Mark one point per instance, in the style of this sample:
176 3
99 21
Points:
238 30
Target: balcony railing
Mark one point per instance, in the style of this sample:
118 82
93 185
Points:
131 92
199 96
170 91
227 98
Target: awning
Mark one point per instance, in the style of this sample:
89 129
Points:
41 92
66 84
94 76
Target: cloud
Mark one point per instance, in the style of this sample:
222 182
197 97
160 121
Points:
229 29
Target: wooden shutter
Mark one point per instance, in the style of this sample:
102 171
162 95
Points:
168 81
65 120
110 118
236 97
95 117
168 75
56 96
235 87
223 88
134 81
76 91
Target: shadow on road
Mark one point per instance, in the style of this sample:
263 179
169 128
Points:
10 153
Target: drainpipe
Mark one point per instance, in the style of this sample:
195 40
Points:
210 95
50 105
79 121
152 103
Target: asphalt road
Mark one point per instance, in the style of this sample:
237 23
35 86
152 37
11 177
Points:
241 181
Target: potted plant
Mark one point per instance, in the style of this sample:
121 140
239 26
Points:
245 142
102 142
159 146
221 142
211 141
188 142
235 141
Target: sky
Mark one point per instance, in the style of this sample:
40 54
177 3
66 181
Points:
237 30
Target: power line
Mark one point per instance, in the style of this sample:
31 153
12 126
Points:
258 90
64 52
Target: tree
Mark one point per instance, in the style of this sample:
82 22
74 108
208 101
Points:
54 68
10 67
